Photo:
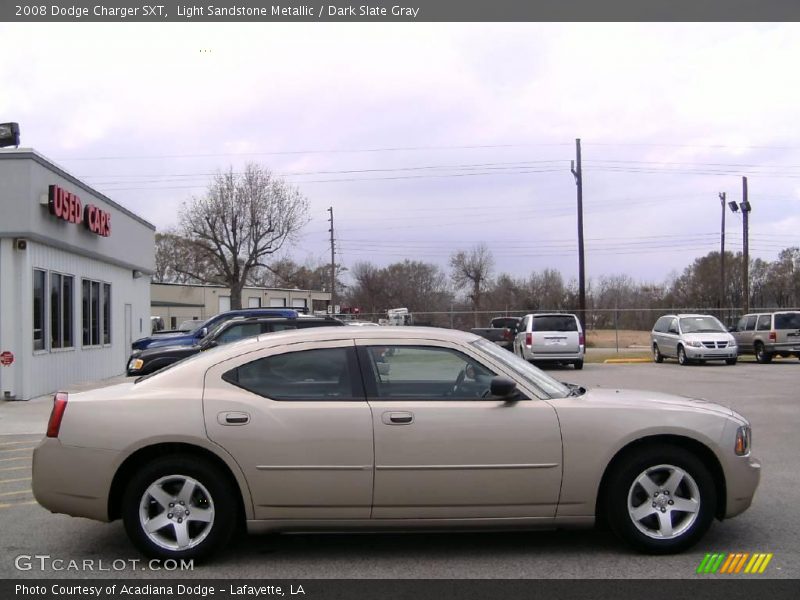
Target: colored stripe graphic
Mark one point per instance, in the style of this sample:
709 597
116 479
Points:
734 563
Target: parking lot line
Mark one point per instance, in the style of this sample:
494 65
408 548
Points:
18 450
14 468
18 443
17 493
15 458
15 480
18 504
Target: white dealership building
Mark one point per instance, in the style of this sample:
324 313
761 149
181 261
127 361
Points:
74 278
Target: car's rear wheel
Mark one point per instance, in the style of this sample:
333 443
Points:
578 364
661 500
179 507
762 356
682 358
657 356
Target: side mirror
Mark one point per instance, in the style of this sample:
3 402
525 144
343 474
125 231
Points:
503 387
732 328
203 332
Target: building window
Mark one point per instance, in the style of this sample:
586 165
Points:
106 313
96 317
277 302
60 310
253 302
38 309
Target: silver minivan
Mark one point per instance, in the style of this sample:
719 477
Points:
551 337
692 338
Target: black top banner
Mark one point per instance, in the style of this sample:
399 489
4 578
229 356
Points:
400 10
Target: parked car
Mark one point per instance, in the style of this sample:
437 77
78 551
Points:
198 333
769 334
502 331
692 338
232 330
551 337
301 430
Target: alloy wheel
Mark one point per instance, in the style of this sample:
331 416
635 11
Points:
176 512
664 502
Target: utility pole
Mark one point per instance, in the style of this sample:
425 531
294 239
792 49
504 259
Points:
578 174
333 265
722 255
745 206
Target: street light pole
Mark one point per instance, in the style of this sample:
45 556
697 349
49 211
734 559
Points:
745 206
722 255
577 172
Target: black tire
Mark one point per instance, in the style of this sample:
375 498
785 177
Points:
682 359
578 364
730 361
220 497
620 485
657 356
762 356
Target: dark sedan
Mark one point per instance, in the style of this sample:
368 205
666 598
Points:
152 359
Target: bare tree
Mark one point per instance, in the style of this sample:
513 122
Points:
172 252
242 219
472 270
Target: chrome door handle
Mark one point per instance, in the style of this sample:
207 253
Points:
233 418
397 418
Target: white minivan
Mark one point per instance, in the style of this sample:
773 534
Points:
551 337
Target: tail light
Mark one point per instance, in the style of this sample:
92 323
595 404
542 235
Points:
57 414
507 335
529 339
581 339
773 336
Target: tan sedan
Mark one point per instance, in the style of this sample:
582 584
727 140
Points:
355 428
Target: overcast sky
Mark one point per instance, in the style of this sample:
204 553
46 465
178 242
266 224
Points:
427 138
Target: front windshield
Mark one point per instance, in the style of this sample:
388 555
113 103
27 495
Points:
702 324
536 377
200 326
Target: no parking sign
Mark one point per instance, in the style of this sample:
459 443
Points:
6 358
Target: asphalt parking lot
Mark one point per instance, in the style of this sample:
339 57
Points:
767 394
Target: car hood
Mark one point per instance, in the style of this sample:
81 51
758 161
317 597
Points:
717 336
656 400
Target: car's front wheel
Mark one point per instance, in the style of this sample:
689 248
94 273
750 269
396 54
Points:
683 360
730 361
661 500
179 507
762 356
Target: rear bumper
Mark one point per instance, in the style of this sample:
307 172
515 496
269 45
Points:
72 480
552 356
783 348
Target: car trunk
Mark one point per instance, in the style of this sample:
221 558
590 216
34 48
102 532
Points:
554 334
787 330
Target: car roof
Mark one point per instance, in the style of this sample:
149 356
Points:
551 314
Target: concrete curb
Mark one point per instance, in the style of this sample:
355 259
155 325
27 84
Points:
627 360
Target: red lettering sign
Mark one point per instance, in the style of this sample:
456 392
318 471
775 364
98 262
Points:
67 206
6 358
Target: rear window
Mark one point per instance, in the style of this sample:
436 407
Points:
554 323
787 321
502 322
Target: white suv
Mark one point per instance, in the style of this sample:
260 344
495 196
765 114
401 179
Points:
551 337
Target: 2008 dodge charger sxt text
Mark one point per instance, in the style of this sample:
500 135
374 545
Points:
355 428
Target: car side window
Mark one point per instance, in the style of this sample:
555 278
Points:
673 326
661 325
750 324
764 323
426 373
742 324
272 327
319 374
239 332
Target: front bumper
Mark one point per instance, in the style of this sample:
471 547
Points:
743 475
704 353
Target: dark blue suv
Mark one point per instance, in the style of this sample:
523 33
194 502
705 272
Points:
198 333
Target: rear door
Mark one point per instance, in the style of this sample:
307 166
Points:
442 450
555 334
745 337
787 331
298 424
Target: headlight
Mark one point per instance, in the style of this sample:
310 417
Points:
135 364
695 344
743 440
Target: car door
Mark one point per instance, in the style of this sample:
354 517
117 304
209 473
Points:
671 338
444 451
746 333
297 422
